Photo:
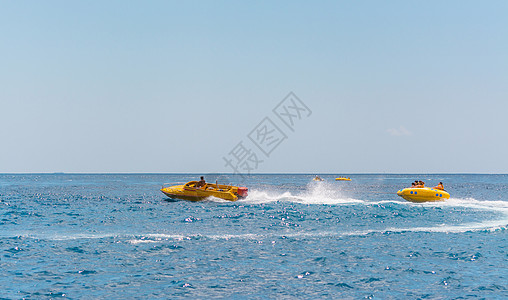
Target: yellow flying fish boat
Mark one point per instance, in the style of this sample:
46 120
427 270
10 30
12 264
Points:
191 191
423 194
343 179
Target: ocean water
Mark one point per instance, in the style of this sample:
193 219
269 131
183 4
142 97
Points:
93 236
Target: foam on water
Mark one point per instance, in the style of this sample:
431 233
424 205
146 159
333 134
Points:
460 228
498 223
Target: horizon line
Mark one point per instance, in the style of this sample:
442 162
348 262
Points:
228 173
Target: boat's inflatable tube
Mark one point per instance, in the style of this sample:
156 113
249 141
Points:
423 194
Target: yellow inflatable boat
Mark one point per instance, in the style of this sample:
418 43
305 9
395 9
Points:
190 191
343 179
424 194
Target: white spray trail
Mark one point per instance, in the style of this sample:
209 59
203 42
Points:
316 193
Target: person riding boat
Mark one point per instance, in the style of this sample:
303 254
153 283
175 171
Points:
201 183
439 186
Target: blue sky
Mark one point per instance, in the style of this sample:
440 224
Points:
160 86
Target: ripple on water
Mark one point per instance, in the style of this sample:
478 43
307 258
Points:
114 236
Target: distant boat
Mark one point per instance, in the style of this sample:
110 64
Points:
343 179
317 178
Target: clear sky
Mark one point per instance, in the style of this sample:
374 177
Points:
174 86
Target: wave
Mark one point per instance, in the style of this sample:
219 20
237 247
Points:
487 226
483 226
60 237
473 203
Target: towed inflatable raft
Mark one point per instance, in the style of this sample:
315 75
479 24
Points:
424 194
343 179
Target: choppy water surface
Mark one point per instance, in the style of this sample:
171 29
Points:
117 236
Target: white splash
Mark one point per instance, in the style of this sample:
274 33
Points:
316 193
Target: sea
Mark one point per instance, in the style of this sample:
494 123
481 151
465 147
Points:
116 236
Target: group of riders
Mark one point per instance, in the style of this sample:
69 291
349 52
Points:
421 184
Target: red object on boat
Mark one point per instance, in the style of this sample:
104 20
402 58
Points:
242 191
